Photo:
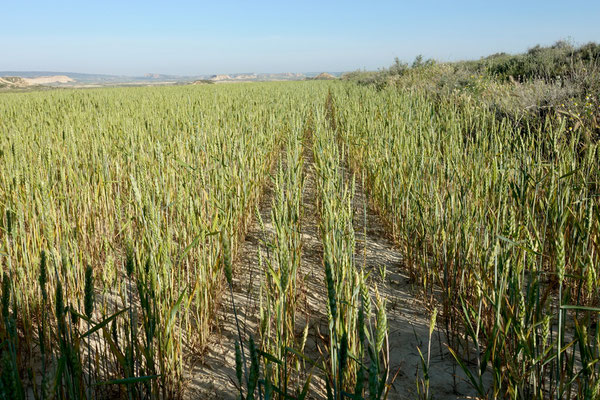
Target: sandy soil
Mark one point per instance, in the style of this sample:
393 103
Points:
408 318
213 376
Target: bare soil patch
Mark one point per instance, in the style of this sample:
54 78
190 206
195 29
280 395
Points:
213 376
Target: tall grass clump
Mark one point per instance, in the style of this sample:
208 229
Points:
498 223
125 191
278 329
357 317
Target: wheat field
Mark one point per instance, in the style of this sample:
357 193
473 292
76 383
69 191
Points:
127 214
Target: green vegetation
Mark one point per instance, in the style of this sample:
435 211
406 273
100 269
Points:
137 183
561 80
357 322
499 221
123 212
503 222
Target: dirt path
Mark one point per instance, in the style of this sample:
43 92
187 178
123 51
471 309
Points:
408 319
213 376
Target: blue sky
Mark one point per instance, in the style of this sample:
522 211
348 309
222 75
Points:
197 37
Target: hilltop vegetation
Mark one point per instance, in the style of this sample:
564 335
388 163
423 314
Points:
13 82
561 80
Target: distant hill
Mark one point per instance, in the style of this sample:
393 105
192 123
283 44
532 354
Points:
79 77
13 82
220 78
42 80
202 82
24 79
99 79
265 77
21 82
253 77
323 76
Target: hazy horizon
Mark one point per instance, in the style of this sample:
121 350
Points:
189 39
167 75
